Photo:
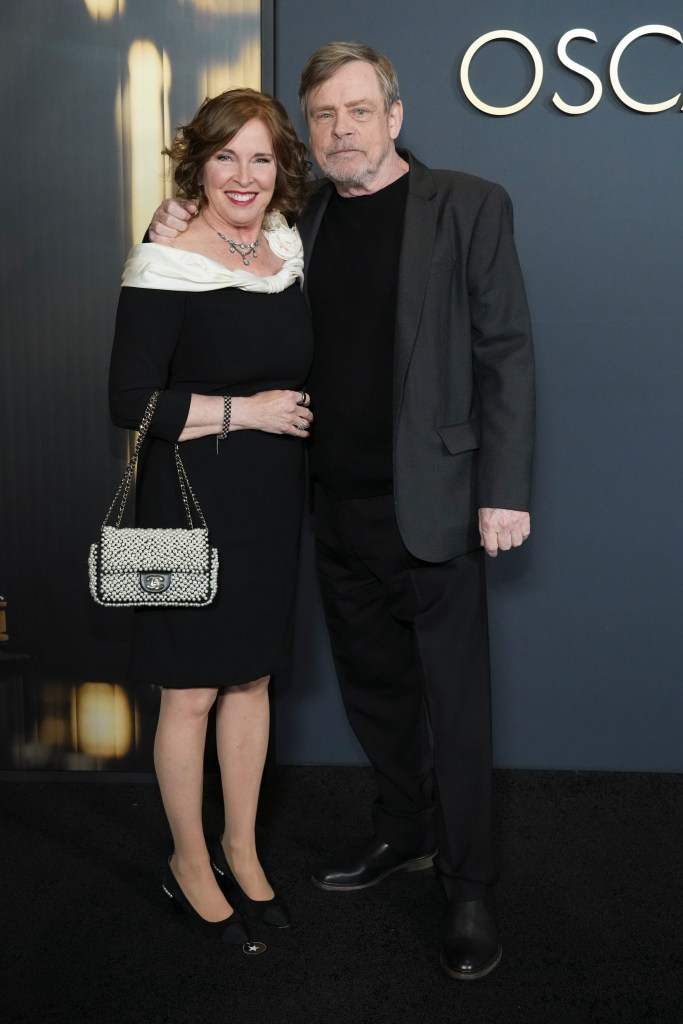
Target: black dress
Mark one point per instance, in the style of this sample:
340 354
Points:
222 341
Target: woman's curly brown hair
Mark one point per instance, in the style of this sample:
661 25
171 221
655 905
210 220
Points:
217 121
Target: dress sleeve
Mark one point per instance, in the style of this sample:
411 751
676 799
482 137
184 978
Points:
148 324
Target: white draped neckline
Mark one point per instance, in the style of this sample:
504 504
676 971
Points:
150 265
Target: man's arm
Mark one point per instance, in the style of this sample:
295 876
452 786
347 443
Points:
503 366
170 220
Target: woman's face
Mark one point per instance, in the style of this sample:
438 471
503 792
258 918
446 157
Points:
239 180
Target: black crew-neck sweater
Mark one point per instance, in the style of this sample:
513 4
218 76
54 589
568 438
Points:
352 287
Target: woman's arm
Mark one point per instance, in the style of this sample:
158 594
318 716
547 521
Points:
276 412
148 323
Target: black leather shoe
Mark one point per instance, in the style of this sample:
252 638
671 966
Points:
370 865
272 911
471 946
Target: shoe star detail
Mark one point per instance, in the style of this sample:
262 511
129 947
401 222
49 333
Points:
253 948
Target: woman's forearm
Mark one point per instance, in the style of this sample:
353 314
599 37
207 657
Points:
204 417
276 412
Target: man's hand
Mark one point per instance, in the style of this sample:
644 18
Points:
171 219
502 528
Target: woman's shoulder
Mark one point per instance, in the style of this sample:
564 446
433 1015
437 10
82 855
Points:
151 265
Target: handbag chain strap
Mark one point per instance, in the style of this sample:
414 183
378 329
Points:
185 480
129 473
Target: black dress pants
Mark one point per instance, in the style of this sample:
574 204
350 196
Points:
410 643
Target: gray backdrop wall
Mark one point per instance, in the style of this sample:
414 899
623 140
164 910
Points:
586 619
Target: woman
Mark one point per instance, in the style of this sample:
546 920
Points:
218 322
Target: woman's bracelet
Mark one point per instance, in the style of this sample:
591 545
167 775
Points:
227 411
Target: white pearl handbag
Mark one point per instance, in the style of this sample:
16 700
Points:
142 567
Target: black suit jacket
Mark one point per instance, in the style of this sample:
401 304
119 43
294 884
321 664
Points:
463 363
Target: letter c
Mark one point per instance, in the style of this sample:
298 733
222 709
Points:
645 30
516 37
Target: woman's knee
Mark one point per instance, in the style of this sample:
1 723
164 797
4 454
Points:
255 687
194 702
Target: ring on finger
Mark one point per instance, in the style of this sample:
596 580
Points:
301 426
302 400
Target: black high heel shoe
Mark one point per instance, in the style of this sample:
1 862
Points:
231 931
272 911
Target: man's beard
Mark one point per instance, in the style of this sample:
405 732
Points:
358 177
341 176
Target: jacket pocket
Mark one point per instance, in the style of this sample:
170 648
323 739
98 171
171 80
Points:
461 437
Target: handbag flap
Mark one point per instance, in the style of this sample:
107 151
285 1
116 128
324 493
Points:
129 549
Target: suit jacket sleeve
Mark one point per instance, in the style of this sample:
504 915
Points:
502 357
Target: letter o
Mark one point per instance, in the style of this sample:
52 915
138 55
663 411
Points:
516 37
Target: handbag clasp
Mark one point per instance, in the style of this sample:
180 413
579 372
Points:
155 582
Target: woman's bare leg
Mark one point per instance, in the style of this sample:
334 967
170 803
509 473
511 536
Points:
242 724
179 762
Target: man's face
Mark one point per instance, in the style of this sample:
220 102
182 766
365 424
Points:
352 134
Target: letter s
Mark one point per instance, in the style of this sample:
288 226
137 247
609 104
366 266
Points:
582 108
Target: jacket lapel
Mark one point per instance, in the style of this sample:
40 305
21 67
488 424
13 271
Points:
419 232
309 223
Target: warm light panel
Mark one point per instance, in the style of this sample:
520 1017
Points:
228 6
245 71
146 99
101 720
104 10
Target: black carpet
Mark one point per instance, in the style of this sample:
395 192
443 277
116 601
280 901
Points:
590 903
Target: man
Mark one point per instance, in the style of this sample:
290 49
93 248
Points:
422 385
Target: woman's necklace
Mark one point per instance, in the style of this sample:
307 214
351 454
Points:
245 249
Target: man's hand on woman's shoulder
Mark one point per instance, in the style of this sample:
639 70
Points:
171 219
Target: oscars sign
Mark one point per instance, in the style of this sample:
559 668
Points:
579 69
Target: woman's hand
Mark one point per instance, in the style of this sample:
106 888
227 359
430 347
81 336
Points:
276 412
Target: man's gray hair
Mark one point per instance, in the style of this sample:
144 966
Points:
326 61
